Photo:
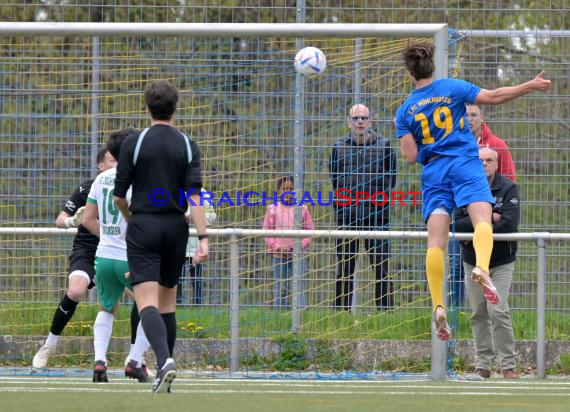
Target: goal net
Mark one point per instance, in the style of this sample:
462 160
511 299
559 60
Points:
242 101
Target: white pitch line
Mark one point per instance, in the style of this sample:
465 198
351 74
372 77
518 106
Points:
225 381
514 385
284 392
323 385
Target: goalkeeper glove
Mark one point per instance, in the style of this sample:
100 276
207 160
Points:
76 219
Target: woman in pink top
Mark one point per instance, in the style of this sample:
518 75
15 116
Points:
279 216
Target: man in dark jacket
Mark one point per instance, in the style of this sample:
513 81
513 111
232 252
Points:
362 162
491 324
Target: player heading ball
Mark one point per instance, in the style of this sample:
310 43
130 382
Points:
434 131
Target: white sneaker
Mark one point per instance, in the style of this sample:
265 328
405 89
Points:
42 357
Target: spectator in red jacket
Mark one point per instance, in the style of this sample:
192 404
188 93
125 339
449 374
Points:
486 138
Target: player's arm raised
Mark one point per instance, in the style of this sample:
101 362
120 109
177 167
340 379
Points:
409 148
506 94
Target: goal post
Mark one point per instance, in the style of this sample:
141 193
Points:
250 126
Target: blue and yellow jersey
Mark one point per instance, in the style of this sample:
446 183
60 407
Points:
435 116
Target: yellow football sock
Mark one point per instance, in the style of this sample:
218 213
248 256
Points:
483 245
434 269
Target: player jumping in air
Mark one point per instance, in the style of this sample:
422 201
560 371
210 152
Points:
433 129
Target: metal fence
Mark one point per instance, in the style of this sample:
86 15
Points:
62 95
238 300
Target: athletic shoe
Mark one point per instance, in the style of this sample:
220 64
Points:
509 374
484 373
41 358
100 372
149 373
443 331
481 277
132 371
164 377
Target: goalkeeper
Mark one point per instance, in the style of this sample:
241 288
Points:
81 261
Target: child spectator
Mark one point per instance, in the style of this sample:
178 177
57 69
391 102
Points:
279 216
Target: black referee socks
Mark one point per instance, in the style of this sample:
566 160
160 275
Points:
155 332
170 323
135 319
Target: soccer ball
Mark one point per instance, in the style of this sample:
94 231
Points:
310 61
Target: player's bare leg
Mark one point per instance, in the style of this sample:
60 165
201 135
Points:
481 214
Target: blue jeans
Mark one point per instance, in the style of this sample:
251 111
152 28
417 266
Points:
283 273
194 274
457 274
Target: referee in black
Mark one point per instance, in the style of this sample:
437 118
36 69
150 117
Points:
163 167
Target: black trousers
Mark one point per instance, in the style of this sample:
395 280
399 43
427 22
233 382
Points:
156 248
378 251
194 275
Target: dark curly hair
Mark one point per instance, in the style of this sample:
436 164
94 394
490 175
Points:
418 58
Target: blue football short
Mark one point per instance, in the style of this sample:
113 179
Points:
451 182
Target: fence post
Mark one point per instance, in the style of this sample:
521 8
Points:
299 173
95 79
234 304
438 348
541 310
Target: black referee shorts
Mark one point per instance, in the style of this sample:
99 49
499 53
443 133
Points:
156 248
83 260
